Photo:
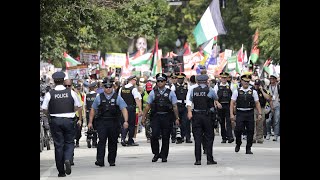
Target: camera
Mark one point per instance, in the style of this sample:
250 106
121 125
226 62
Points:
90 133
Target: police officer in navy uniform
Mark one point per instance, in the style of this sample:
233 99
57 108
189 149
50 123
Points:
89 98
181 90
161 101
245 99
132 97
61 104
203 98
223 90
108 106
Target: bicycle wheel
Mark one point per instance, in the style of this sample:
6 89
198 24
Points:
47 140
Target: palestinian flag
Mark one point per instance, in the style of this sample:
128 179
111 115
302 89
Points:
72 62
255 50
210 25
141 60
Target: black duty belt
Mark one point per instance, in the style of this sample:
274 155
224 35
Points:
245 110
61 117
108 118
161 112
197 111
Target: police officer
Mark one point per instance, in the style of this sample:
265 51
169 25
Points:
108 105
61 104
88 103
245 99
161 101
132 97
181 90
203 99
223 90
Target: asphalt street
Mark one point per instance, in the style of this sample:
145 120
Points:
134 163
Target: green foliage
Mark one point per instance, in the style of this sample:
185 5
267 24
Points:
107 25
266 18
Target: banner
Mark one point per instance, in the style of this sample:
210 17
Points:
232 63
191 63
77 72
115 60
89 56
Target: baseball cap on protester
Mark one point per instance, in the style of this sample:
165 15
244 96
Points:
149 86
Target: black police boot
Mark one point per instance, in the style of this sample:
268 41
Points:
230 140
67 165
123 143
88 143
173 140
237 148
112 164
211 162
164 160
224 141
188 141
77 143
248 151
155 158
197 163
62 175
97 163
179 141
94 144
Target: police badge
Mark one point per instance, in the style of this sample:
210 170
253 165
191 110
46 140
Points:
165 94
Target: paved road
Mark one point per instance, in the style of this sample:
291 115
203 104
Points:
134 163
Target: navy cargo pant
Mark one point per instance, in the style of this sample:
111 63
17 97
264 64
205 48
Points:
202 126
225 122
244 121
132 124
161 124
63 131
108 129
185 123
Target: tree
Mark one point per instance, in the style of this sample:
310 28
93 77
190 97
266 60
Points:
266 17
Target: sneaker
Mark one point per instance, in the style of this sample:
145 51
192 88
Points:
260 141
268 137
275 138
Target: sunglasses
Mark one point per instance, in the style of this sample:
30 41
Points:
67 85
108 86
173 77
160 81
